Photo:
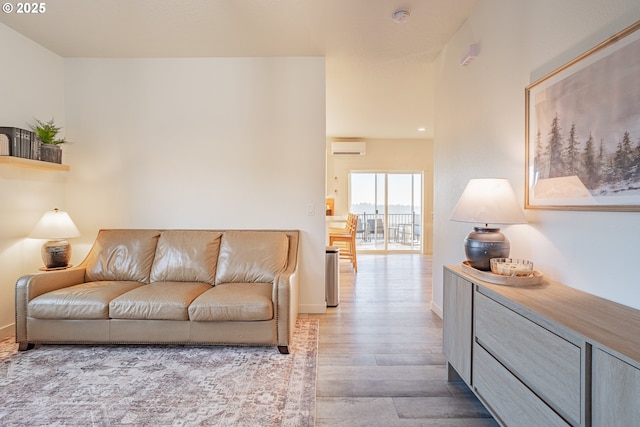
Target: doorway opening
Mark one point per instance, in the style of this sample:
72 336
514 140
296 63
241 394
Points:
390 210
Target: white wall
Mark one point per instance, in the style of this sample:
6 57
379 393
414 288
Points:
31 85
200 143
479 132
384 155
176 143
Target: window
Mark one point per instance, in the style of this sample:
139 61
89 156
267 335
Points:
389 209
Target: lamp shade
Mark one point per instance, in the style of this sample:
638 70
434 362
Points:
488 201
55 224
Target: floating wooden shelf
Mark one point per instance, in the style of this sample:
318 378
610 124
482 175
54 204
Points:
33 164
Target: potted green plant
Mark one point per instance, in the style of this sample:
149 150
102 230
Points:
47 133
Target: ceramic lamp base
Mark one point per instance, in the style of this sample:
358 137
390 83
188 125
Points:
484 243
56 254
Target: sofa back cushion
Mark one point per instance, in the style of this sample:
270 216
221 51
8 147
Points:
186 256
251 256
122 255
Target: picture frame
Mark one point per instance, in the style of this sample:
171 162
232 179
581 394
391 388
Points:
582 136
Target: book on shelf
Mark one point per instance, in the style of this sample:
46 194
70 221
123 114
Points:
21 142
35 146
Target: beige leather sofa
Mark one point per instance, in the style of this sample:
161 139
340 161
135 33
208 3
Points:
168 286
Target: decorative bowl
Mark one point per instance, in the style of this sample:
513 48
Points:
511 267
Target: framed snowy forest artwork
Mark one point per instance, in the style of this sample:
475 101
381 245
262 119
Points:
583 130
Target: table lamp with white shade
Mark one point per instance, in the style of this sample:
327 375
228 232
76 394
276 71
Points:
487 201
57 226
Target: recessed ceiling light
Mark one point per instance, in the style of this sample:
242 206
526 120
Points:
422 129
401 16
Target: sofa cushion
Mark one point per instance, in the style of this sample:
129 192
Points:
122 255
251 256
84 301
233 301
186 256
157 301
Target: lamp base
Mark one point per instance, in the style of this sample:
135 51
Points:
484 243
56 254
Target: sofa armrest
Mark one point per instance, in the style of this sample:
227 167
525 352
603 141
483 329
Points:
285 299
30 286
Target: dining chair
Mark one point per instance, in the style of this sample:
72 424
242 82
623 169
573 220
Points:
345 240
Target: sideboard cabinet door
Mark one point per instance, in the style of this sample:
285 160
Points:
457 325
616 391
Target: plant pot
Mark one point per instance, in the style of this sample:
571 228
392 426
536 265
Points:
50 153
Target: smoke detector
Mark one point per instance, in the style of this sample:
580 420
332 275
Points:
401 16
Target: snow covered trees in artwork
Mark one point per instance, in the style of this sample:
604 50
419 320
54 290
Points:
602 172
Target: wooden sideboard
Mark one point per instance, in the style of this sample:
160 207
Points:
543 355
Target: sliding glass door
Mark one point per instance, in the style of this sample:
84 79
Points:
389 209
367 200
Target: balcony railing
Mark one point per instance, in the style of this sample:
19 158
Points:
402 229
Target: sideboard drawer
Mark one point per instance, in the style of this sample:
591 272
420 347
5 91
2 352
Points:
509 400
547 363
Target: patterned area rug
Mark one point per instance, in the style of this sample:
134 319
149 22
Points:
59 385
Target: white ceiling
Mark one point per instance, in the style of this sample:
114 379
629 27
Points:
378 71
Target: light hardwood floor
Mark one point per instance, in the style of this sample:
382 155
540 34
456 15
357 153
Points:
380 352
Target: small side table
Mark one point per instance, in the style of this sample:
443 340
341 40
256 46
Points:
55 268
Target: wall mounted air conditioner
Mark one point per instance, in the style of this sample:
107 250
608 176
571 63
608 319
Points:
353 148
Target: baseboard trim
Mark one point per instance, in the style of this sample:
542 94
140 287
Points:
312 308
8 331
436 309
